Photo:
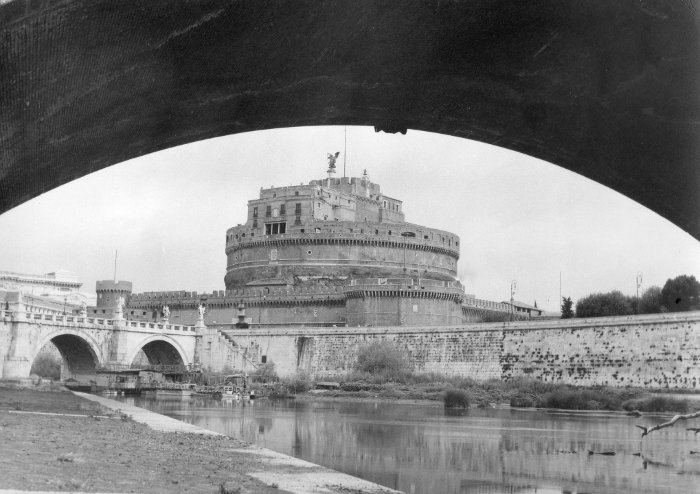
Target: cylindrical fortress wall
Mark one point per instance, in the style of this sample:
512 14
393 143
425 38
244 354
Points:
337 257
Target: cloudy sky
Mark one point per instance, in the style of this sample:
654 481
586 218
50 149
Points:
518 218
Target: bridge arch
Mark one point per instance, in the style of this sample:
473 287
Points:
605 89
81 354
161 350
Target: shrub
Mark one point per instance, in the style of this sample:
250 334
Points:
657 404
581 399
523 401
299 383
455 398
265 373
47 366
384 358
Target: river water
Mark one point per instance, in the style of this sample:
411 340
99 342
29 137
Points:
422 448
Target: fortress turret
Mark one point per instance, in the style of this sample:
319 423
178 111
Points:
108 293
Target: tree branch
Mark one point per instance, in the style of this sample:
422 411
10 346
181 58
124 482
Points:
670 423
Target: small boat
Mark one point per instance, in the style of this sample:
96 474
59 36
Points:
229 392
183 390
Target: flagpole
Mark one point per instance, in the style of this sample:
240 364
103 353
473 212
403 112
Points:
345 149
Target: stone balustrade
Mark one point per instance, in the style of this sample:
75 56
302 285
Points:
58 319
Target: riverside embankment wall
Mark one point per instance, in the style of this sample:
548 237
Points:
657 351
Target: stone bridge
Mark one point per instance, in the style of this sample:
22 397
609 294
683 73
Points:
88 344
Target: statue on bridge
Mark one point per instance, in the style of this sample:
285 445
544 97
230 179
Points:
166 313
201 309
83 309
119 312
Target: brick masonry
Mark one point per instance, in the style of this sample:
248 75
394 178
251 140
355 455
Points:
655 351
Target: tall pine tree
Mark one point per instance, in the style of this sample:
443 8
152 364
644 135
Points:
567 311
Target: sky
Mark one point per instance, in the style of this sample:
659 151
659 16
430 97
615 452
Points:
519 218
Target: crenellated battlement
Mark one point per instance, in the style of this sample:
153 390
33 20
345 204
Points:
248 296
405 288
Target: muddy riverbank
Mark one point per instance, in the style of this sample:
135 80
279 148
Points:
56 441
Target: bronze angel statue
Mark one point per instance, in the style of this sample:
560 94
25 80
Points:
331 160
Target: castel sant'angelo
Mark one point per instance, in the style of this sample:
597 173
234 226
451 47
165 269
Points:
335 252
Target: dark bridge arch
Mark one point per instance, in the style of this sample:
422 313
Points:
160 351
607 89
80 356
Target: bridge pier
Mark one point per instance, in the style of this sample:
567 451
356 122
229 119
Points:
15 363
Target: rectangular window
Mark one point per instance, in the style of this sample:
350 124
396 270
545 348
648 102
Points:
263 359
296 192
297 221
283 209
255 212
276 228
297 208
268 211
255 223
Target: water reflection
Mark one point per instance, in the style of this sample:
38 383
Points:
422 449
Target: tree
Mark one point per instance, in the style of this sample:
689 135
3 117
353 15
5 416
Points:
566 308
650 301
680 293
604 304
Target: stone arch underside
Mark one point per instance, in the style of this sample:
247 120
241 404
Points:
161 352
77 353
609 90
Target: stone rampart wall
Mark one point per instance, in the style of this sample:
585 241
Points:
654 351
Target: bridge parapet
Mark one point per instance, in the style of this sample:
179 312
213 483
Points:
73 320
144 325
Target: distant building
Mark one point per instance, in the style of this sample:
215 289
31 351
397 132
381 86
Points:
50 293
524 309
